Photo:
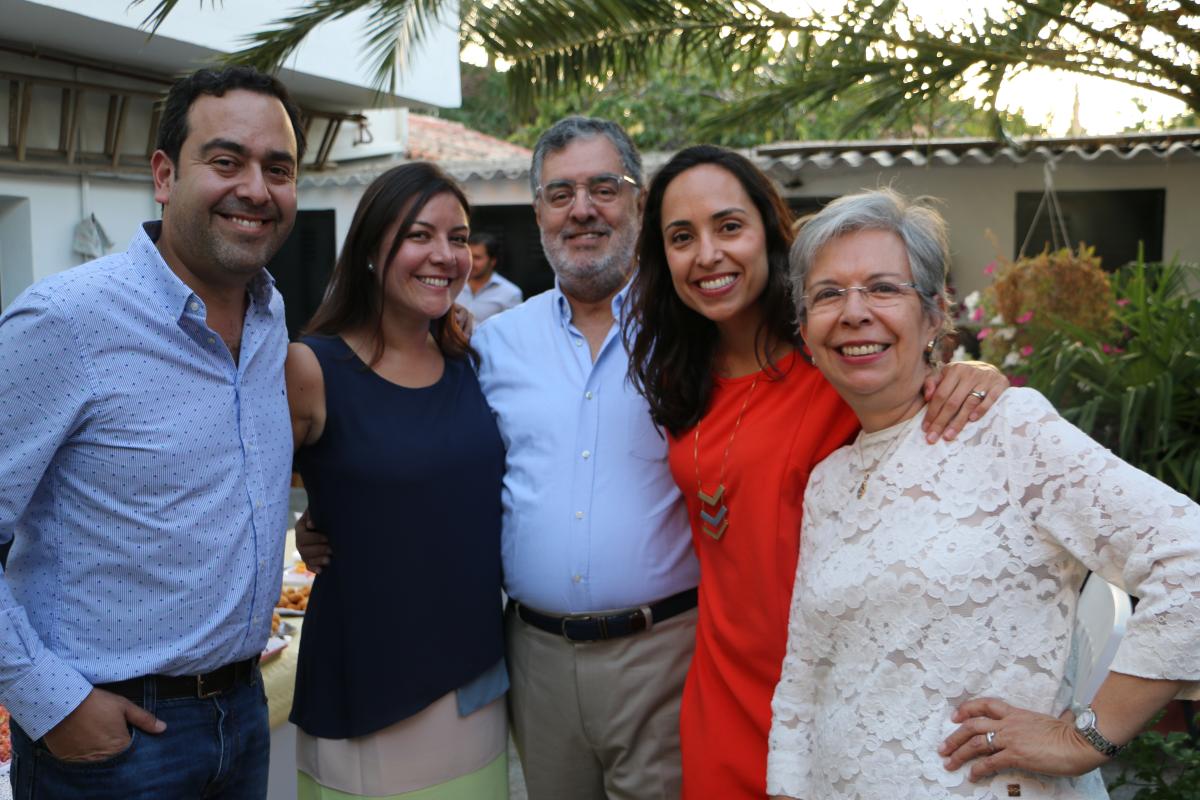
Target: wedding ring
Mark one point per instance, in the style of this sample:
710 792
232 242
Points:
980 393
991 735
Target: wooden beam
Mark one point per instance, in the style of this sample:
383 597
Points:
73 134
64 119
152 137
331 132
120 129
23 123
110 122
14 110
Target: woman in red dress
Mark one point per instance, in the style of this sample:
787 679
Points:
714 349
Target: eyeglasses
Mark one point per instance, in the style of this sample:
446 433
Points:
879 294
602 190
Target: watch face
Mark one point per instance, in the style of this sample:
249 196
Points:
1085 720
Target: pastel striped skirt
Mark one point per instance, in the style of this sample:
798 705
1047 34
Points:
433 755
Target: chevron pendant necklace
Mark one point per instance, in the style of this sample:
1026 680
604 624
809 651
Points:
714 513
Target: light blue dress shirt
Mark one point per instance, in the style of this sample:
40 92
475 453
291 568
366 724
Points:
498 294
143 480
592 519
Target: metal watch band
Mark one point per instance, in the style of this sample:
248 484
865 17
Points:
1086 725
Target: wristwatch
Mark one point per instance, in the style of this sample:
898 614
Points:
1085 724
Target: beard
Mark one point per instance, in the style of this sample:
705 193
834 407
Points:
590 278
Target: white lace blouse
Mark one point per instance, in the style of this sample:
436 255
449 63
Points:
956 576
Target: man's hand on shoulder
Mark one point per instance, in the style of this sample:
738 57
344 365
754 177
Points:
99 728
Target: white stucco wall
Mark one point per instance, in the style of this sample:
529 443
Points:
49 208
979 198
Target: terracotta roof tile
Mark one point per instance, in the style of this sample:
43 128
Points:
434 139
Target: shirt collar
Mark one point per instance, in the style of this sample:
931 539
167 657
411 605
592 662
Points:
562 306
173 293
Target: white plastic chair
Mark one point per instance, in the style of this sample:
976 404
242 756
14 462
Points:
1099 625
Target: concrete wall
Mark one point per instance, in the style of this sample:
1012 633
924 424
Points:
982 198
38 215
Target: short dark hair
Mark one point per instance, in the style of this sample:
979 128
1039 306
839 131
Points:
491 245
354 298
173 125
671 347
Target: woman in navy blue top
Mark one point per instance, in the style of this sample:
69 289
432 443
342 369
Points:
401 677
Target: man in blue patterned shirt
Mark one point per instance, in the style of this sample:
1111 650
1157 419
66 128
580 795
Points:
145 454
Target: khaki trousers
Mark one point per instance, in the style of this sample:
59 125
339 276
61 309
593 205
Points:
599 720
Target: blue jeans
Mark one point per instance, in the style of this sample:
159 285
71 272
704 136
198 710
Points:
216 747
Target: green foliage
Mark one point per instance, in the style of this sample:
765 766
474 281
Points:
668 112
1160 767
1139 394
877 56
881 63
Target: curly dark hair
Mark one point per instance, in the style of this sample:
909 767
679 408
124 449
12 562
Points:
173 126
671 347
354 298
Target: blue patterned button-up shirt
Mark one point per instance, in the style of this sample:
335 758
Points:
143 481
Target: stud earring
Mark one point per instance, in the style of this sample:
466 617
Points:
370 266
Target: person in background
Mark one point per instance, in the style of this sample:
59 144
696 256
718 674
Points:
713 346
937 586
401 680
487 292
144 466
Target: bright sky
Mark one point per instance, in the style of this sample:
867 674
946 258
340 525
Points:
1045 97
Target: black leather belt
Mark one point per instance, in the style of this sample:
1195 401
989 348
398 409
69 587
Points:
596 627
174 687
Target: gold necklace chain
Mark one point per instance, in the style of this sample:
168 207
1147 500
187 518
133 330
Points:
884 459
715 522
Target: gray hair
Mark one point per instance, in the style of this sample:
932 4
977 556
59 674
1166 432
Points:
568 129
919 226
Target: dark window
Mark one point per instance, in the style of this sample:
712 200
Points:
1112 221
522 260
303 265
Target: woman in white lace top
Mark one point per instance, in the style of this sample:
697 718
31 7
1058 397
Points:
935 596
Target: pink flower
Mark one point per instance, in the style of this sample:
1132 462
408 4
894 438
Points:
983 334
1110 349
1028 315
1027 350
990 268
1124 301
977 314
1018 380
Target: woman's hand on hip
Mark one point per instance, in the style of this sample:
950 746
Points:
1020 739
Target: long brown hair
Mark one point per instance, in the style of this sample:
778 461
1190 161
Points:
671 347
354 299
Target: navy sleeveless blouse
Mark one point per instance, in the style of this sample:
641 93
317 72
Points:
406 485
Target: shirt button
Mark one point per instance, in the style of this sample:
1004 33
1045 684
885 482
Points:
576 578
587 395
211 340
194 306
587 454
258 503
579 342
578 515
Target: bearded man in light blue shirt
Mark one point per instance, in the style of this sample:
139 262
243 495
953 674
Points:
597 554
144 469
